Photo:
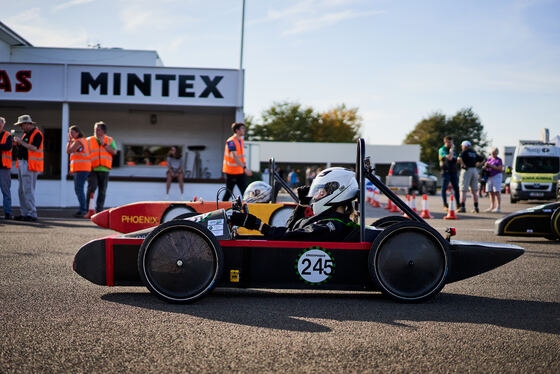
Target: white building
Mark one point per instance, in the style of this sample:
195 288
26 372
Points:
147 108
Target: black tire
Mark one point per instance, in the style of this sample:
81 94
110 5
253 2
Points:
409 262
385 222
180 261
175 210
512 200
555 225
185 215
423 189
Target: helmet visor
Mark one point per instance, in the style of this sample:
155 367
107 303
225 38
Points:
320 191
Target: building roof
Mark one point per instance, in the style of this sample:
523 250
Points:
11 37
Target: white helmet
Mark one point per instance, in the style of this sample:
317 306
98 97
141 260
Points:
257 192
332 187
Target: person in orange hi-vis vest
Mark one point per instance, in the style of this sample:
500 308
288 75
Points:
80 165
102 148
30 164
234 165
6 144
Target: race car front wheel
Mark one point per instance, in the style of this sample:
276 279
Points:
555 225
180 261
409 261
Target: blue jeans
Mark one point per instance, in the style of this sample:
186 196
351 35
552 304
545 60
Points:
5 185
80 178
447 177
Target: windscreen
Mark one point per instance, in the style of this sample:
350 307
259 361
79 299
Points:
404 168
537 164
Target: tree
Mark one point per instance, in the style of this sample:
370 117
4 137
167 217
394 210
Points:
429 133
288 122
339 125
291 122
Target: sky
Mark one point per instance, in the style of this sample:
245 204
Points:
396 61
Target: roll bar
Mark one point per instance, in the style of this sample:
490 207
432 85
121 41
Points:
274 177
364 170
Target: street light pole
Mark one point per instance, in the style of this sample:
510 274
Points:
239 113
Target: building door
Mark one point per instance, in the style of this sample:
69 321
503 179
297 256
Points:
52 147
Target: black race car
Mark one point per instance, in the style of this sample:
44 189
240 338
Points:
541 220
182 260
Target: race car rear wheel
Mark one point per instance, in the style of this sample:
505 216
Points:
385 222
180 261
409 261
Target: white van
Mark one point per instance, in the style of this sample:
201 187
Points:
536 167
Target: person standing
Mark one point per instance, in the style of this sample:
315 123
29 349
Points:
495 167
80 165
469 160
6 144
174 170
30 163
234 166
448 166
102 148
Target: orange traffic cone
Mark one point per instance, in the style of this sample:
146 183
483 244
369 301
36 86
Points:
375 201
407 204
369 198
451 212
91 207
413 203
425 213
394 208
389 205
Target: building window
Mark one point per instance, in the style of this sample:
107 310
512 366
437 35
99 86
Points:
145 155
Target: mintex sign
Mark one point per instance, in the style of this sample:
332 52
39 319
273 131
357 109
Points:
116 84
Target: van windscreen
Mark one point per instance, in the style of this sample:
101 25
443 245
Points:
537 164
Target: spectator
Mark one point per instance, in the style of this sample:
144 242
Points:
80 165
293 178
234 166
102 148
469 160
174 170
30 160
495 167
6 145
448 166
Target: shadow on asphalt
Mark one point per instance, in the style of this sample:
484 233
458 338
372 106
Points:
46 224
293 312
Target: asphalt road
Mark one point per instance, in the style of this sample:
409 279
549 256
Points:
53 321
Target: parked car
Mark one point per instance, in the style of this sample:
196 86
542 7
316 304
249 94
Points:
422 180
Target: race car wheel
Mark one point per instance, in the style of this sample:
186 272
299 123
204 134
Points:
280 216
175 210
185 215
180 261
555 224
385 222
409 261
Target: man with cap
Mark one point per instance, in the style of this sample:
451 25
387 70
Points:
5 169
31 160
469 160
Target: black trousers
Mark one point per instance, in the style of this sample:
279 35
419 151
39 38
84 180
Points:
232 180
98 179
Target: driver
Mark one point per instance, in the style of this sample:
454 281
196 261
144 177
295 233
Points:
257 192
330 195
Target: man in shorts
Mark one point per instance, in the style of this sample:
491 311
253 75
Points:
468 160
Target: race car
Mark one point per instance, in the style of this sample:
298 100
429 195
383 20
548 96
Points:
142 215
541 221
183 260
